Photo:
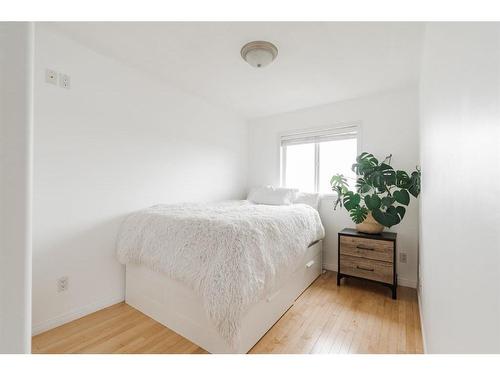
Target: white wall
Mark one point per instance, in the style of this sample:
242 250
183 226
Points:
117 141
389 125
460 209
16 79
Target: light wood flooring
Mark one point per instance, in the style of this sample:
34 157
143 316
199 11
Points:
357 317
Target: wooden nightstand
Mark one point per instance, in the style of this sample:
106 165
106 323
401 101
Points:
368 256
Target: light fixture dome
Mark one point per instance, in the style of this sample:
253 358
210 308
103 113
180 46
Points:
259 53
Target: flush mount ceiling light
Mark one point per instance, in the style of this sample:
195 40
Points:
259 53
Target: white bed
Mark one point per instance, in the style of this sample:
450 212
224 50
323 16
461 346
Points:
220 274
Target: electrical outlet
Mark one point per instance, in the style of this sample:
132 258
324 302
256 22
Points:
62 284
64 81
402 257
51 76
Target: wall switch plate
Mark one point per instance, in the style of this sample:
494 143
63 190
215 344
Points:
51 76
64 81
62 284
402 257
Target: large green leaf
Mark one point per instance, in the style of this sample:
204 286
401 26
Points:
362 186
365 163
384 218
366 157
391 217
414 189
401 212
402 196
387 201
351 200
358 214
402 180
381 175
380 217
338 180
372 201
339 185
398 212
388 174
375 178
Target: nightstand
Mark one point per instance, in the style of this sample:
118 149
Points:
368 256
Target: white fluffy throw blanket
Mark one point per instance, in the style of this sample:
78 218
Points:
232 253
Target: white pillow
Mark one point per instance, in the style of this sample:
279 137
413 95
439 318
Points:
311 199
272 195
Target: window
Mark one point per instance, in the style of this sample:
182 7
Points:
310 159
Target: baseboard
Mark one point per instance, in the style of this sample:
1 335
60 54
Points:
419 299
407 282
73 315
401 280
330 267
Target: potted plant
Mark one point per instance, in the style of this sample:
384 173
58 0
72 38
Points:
381 193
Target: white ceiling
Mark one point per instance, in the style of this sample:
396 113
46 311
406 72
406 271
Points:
318 62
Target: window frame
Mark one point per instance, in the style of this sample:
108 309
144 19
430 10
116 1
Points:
334 131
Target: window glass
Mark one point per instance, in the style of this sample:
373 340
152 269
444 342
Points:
299 168
336 157
310 166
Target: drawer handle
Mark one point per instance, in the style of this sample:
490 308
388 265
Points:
364 247
365 269
309 264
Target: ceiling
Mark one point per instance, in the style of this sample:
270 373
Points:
317 63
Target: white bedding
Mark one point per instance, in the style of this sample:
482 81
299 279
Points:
232 253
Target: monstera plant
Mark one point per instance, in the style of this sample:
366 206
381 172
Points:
382 193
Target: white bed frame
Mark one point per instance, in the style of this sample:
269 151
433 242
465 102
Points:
180 309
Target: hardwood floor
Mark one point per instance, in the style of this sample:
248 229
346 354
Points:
357 317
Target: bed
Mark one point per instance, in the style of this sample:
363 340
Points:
220 274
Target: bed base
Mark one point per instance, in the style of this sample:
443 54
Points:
179 308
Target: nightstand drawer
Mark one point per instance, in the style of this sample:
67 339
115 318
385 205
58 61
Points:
367 248
366 268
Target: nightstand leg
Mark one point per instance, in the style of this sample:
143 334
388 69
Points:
394 292
338 279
